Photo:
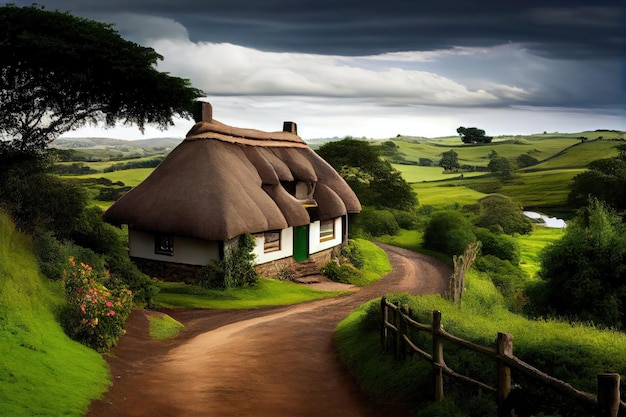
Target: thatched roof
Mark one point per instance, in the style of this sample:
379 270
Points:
221 182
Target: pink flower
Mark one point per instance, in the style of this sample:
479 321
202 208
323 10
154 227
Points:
111 313
109 304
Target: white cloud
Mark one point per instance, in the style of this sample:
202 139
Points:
226 69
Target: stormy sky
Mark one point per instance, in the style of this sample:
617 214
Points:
382 68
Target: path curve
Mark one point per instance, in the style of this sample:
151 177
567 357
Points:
263 363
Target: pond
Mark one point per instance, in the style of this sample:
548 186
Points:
547 221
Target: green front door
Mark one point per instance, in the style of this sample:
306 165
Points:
301 243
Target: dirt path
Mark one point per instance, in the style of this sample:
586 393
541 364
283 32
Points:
267 362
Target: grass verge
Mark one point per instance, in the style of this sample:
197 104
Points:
164 327
42 371
573 353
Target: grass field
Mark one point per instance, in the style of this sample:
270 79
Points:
130 177
416 173
445 194
532 244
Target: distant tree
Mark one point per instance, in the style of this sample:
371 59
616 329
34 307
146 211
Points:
373 179
500 166
59 72
473 135
585 271
449 160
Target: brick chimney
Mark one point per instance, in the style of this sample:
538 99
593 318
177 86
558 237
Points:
203 112
290 127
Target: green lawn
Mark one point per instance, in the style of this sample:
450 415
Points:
266 293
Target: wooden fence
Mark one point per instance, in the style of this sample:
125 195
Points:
396 320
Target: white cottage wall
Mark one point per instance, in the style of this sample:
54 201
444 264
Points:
286 247
186 250
314 237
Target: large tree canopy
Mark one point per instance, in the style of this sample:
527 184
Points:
373 179
59 72
473 135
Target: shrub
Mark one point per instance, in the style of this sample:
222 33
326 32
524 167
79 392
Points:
448 232
585 271
353 254
406 219
94 315
235 270
499 245
344 273
374 222
52 256
508 278
499 213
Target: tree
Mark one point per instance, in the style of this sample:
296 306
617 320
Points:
499 214
500 166
473 135
373 179
605 179
585 271
448 232
449 160
59 72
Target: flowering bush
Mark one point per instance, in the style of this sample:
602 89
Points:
94 315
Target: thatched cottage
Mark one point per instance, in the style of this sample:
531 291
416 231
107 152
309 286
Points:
222 182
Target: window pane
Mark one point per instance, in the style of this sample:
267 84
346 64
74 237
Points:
327 230
164 245
272 241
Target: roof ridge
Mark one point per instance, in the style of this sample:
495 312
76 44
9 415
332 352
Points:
254 137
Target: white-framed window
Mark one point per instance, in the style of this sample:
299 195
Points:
164 245
327 230
271 241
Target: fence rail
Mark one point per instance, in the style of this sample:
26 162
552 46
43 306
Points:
396 320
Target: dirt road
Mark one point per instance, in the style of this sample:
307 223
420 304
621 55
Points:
262 363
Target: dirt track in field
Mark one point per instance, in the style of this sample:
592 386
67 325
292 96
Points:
263 363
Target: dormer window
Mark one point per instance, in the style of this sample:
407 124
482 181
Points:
302 191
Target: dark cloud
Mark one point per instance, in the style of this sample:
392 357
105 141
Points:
568 29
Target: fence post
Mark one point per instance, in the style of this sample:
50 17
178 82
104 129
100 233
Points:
399 340
438 361
504 348
383 328
608 395
403 329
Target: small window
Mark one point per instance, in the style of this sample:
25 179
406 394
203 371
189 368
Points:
164 245
327 230
272 241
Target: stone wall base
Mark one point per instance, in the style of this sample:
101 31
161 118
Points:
288 267
279 269
168 271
